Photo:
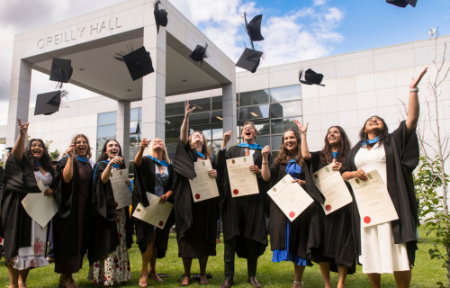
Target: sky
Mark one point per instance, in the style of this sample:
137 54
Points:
293 30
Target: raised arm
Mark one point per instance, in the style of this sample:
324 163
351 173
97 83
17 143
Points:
138 158
19 146
107 172
413 103
304 145
265 171
184 133
68 169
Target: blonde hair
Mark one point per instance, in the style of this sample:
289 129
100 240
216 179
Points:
165 155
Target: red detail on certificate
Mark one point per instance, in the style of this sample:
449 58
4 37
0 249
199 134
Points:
197 196
235 191
367 219
161 223
292 214
117 204
328 207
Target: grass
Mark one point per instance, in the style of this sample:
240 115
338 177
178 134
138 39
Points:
425 274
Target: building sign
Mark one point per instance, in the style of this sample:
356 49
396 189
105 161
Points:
73 34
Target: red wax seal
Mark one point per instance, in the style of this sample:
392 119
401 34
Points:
197 196
117 204
292 214
367 219
235 191
328 207
161 223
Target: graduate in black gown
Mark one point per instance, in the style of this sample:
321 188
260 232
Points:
111 229
153 174
244 226
289 240
196 223
332 244
24 239
388 247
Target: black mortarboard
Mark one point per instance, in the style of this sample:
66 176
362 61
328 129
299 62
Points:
250 60
48 103
311 77
402 3
160 16
199 54
254 28
138 62
61 70
9 149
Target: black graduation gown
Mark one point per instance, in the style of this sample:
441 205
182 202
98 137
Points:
103 230
65 222
332 240
402 157
18 181
183 165
144 181
302 225
249 224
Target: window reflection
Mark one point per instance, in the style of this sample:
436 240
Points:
255 112
106 131
263 141
285 93
107 118
175 108
254 98
279 125
201 105
286 109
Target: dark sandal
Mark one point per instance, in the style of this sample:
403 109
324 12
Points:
182 278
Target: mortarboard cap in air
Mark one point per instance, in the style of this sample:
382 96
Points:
199 54
160 16
138 62
254 28
402 3
250 60
8 149
48 103
311 77
61 70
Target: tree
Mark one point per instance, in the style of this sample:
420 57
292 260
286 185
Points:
55 154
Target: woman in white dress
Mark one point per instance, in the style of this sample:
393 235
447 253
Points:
388 247
25 240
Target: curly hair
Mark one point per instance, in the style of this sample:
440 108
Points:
45 160
205 150
74 140
282 158
326 155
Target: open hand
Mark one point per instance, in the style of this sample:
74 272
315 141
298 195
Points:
415 82
145 143
188 111
302 128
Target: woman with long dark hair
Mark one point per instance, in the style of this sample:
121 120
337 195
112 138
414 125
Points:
332 244
289 241
111 229
153 174
73 191
196 223
389 247
25 240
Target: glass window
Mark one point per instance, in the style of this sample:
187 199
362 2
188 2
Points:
254 98
199 118
174 122
201 105
217 103
217 133
279 125
134 114
206 132
288 93
276 142
237 100
171 150
215 146
172 136
134 126
262 127
106 131
101 142
263 141
140 113
216 117
286 109
107 118
250 113
135 143
175 108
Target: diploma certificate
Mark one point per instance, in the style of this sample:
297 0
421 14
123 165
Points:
40 207
156 213
372 197
332 186
121 191
242 181
203 186
290 197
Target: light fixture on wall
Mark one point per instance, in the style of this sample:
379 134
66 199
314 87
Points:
81 69
198 107
184 80
220 118
253 114
129 90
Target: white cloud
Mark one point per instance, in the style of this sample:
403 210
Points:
320 2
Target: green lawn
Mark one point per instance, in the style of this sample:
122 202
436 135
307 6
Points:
425 274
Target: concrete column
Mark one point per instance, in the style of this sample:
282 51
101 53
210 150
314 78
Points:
229 111
19 99
154 84
123 128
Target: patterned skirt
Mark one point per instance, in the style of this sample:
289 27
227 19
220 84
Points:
115 267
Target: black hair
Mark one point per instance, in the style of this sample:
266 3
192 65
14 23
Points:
45 160
104 155
383 135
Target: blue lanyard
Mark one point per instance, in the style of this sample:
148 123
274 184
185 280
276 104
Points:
107 162
335 155
162 162
370 141
250 146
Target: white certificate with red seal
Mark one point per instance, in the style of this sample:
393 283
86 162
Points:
156 213
203 186
122 195
290 197
374 202
242 181
332 186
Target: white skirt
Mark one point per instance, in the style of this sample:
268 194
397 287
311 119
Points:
379 253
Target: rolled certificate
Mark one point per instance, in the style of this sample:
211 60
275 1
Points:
121 191
203 186
242 181
372 197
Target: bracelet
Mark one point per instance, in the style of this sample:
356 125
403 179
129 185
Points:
411 90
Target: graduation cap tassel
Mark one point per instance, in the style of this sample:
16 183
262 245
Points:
119 56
